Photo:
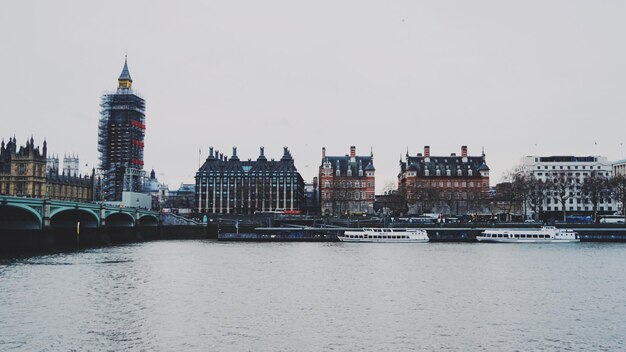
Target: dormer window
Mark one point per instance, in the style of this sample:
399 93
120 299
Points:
469 172
360 172
438 172
426 172
337 172
349 172
448 172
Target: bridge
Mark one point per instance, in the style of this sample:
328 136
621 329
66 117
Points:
20 213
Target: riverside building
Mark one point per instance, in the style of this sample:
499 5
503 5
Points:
347 183
233 186
573 170
619 167
451 185
121 133
27 172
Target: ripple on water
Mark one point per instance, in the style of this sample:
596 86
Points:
205 295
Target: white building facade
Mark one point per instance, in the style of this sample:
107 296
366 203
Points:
619 167
575 169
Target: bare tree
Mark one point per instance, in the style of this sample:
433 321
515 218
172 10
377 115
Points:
595 188
563 189
536 193
421 195
618 186
515 192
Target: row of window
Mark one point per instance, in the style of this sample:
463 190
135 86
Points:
556 208
349 184
346 195
577 200
391 237
569 167
606 174
246 174
514 236
448 184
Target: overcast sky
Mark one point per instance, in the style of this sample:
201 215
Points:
517 77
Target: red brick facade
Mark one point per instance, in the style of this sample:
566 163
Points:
444 184
347 184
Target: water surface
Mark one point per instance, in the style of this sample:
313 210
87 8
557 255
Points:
208 295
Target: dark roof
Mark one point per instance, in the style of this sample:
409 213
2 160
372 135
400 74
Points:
345 162
125 75
216 162
443 163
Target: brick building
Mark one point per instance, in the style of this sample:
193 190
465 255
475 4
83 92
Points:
347 183
450 185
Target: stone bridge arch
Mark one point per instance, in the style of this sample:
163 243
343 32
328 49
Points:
69 217
148 220
19 217
120 219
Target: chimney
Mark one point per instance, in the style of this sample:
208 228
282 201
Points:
323 152
464 151
452 154
352 151
426 151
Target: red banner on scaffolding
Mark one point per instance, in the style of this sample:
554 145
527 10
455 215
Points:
138 124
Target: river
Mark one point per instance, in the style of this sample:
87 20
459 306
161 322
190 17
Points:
221 296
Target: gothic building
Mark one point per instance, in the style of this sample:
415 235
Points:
27 172
121 140
450 185
233 186
347 183
23 171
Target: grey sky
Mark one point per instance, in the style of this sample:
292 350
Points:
506 75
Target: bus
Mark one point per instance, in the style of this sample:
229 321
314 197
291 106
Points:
612 219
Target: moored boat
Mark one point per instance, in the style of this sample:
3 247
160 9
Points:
384 235
546 234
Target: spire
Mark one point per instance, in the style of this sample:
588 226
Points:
124 80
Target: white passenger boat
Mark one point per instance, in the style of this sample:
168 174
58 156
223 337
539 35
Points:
546 234
384 235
